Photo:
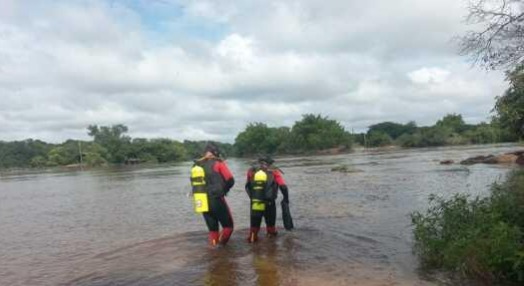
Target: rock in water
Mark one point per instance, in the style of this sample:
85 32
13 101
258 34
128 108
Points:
508 158
478 160
345 169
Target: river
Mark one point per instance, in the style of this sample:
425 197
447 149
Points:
136 226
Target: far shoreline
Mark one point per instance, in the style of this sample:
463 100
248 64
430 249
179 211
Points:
319 153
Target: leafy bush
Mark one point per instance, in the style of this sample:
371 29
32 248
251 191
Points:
476 237
315 132
394 130
310 134
258 138
379 139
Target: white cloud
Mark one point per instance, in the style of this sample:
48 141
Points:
67 64
429 75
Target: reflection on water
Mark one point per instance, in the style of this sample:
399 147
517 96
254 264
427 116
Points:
304 257
136 226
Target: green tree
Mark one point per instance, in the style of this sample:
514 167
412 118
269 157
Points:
19 154
483 133
315 132
430 137
498 45
94 155
194 148
283 136
166 150
435 136
141 149
454 122
379 139
113 140
410 140
64 154
394 130
38 161
509 108
258 138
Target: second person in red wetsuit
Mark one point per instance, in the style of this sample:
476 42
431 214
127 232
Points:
262 186
214 182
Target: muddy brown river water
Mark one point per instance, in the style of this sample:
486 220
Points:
136 226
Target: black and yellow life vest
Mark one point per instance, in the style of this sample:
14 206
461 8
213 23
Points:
205 183
262 188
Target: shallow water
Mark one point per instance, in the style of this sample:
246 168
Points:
136 226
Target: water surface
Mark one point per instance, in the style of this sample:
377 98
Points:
136 226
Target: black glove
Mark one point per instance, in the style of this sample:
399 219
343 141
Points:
229 184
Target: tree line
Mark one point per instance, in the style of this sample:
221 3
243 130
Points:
449 130
310 135
110 145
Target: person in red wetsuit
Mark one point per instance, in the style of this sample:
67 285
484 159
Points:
262 186
215 183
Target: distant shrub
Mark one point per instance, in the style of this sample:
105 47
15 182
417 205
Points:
379 139
475 237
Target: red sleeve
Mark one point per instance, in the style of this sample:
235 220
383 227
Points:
249 174
278 178
223 170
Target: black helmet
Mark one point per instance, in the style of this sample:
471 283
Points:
266 159
213 149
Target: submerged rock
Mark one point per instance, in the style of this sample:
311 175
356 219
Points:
446 162
345 169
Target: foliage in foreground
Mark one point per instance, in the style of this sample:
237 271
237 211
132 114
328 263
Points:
476 237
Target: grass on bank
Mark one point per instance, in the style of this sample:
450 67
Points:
480 238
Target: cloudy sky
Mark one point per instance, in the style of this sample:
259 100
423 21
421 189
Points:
204 69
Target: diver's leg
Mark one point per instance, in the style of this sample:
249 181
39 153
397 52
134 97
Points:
256 220
212 225
225 218
270 216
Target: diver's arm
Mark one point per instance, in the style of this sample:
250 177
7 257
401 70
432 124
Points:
224 171
247 187
282 186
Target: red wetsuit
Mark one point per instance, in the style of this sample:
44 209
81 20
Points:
219 181
270 212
